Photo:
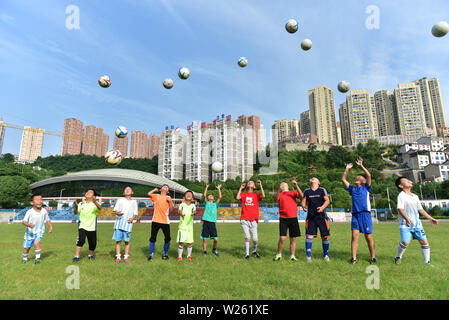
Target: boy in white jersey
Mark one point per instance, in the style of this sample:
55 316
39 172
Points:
186 210
409 208
35 220
126 211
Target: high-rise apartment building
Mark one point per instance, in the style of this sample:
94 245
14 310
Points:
121 144
139 145
72 136
171 156
31 144
323 122
304 122
385 111
285 129
258 130
153 145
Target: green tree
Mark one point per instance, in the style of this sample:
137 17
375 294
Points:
8 158
15 192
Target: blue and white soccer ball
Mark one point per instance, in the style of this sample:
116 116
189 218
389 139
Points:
243 62
184 73
121 132
291 26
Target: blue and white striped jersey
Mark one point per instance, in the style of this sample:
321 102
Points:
129 209
410 204
38 218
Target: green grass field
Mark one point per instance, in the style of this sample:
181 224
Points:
229 276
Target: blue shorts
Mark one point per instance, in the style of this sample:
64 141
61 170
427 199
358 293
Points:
30 243
120 235
362 222
416 233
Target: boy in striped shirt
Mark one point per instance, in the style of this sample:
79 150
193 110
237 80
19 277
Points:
126 211
35 220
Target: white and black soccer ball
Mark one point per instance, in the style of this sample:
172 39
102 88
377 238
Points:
104 81
344 86
113 157
306 44
121 132
168 83
184 73
440 29
291 26
217 167
243 62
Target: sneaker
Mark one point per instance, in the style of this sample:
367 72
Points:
373 261
309 259
36 261
165 257
247 257
179 259
326 258
150 258
205 253
216 253
91 258
278 257
118 260
397 260
189 258
75 259
429 264
293 259
353 261
256 255
126 260
24 261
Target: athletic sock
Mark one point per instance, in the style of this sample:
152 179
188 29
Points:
126 256
325 247
180 250
152 246
401 250
425 250
38 254
309 247
166 247
255 243
118 256
25 256
247 247
189 251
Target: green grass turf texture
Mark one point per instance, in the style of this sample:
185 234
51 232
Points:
229 276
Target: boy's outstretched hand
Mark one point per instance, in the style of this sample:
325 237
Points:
359 161
349 166
219 187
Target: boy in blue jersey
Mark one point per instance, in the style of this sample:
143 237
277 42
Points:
361 210
35 220
410 226
126 211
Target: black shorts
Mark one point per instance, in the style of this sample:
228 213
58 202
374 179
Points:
155 229
315 222
292 225
91 238
209 230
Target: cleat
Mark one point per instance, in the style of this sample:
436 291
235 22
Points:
326 258
397 260
36 261
256 255
165 257
24 261
75 259
216 253
150 259
179 259
247 257
91 258
205 254
189 258
118 261
429 264
278 257
353 261
373 261
126 260
309 259
293 259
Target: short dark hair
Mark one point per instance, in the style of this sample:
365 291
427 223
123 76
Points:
188 192
165 185
95 192
398 182
35 195
128 186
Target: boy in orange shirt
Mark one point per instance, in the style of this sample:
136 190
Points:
162 205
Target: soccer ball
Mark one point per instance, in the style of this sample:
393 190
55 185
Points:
184 73
306 44
168 83
217 167
113 157
243 62
121 132
440 29
344 86
291 26
104 81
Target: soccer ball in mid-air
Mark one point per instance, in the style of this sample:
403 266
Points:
184 73
104 81
306 44
440 29
344 86
113 157
121 132
291 26
168 83
217 167
243 62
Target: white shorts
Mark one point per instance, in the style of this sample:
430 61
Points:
249 226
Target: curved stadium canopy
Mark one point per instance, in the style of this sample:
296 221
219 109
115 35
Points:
119 175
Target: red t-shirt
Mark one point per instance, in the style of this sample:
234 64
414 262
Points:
250 206
288 208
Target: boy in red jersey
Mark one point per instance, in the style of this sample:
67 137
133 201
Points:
250 214
288 218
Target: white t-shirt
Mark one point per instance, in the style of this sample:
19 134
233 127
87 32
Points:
410 204
38 218
129 209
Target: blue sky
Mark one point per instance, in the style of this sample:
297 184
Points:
49 73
